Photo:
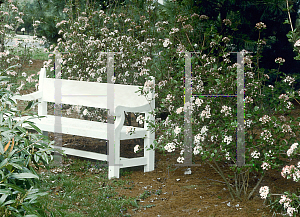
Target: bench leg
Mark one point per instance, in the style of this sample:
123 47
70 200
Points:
114 162
150 155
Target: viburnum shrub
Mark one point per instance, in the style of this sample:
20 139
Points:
214 124
92 32
288 201
17 54
214 72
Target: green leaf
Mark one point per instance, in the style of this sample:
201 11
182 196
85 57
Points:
5 191
45 157
286 22
3 198
29 105
19 123
16 165
36 158
26 162
9 167
3 163
34 126
15 187
24 176
9 122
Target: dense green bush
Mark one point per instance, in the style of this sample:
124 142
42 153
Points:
21 153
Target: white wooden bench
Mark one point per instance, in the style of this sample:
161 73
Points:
125 100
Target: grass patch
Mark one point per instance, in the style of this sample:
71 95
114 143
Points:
75 191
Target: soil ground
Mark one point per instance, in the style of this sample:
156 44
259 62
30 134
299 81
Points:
202 193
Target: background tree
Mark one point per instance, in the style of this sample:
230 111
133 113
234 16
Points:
244 14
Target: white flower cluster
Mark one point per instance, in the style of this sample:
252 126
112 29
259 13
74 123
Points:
167 42
180 48
265 119
297 44
204 130
162 83
248 123
291 149
200 137
286 128
279 60
130 129
286 203
140 119
136 148
260 25
170 147
264 191
287 170
247 60
267 76
61 23
255 154
226 110
179 110
197 150
199 102
8 26
174 30
248 99
265 166
284 97
227 139
289 79
205 113
180 159
284 199
170 97
266 135
148 85
289 105
177 130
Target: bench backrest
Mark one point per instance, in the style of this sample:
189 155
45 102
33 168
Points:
93 94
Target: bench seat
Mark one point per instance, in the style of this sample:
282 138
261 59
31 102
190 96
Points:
78 127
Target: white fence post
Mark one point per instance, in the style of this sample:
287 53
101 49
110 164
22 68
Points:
57 108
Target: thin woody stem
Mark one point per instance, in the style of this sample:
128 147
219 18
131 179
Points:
261 178
222 175
231 190
287 6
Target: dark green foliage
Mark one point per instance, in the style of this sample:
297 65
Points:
20 154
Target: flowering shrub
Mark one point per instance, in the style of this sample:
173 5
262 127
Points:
93 32
18 54
214 73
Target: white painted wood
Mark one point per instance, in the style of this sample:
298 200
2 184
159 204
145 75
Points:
127 162
93 94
